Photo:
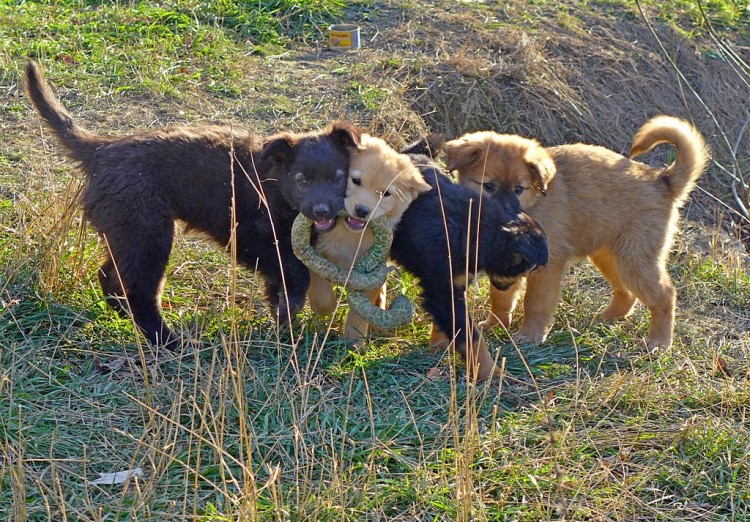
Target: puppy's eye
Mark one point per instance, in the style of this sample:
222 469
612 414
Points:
357 181
386 194
519 190
489 187
302 181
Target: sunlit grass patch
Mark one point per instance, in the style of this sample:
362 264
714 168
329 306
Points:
256 423
147 47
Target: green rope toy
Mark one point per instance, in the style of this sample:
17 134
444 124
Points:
369 272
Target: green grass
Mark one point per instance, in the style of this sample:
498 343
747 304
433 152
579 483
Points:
723 14
732 15
157 47
256 425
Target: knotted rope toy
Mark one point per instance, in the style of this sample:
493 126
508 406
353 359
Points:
369 272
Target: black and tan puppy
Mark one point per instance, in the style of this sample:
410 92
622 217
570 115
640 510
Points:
446 237
137 187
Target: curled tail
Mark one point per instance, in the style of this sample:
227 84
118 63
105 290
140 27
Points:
691 152
79 143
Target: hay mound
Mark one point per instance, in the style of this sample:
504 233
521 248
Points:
594 77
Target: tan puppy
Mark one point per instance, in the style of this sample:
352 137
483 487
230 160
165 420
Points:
381 182
591 202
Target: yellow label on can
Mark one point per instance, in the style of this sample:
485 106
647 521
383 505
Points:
343 36
340 38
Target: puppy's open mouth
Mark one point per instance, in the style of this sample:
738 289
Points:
324 225
354 224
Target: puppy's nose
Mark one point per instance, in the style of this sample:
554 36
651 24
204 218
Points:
361 211
321 210
509 203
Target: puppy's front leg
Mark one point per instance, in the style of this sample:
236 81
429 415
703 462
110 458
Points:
381 301
286 295
322 299
479 362
542 294
503 303
356 327
448 310
438 340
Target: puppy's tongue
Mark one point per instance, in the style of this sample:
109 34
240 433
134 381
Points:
355 223
323 224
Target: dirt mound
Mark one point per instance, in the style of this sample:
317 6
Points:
594 77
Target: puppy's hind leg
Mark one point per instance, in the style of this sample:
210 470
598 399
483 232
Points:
653 286
138 267
622 300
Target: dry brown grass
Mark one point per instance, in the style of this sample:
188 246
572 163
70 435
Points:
249 425
595 79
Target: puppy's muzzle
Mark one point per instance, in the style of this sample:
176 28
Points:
361 211
533 251
502 283
321 211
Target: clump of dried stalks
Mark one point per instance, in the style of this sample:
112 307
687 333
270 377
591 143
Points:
593 79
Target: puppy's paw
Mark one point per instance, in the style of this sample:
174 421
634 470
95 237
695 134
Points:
287 308
438 340
494 319
439 345
382 331
529 336
618 308
654 345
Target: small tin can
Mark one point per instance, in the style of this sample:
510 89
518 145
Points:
343 37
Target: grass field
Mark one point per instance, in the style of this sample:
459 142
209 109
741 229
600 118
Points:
257 425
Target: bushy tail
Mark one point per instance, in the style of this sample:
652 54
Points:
79 143
691 152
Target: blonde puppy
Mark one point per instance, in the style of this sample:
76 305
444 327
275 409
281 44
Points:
591 202
381 182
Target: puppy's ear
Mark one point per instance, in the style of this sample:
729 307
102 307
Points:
463 153
417 184
279 150
346 134
541 167
430 146
435 143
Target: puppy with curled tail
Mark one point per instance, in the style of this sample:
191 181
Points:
591 202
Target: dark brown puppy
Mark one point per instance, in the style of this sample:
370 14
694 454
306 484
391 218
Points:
137 186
